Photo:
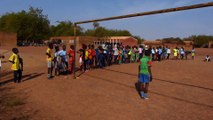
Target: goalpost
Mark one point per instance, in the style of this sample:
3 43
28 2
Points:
209 4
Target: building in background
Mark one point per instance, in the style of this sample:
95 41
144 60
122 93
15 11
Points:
68 40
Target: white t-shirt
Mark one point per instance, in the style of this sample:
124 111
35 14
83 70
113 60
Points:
115 51
168 51
140 50
153 51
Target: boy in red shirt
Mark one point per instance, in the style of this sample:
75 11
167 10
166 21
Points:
71 54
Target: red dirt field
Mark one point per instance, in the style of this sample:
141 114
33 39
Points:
181 90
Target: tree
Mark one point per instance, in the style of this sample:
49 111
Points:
65 28
140 40
31 25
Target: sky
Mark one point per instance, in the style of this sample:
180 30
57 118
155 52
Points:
178 24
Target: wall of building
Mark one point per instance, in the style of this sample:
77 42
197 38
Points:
210 44
8 39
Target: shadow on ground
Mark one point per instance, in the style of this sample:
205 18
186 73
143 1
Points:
153 92
26 77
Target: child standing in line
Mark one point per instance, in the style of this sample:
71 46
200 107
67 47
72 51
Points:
17 65
175 53
71 54
80 60
1 57
57 61
50 63
145 74
193 53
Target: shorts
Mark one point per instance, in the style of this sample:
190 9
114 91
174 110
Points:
144 78
50 64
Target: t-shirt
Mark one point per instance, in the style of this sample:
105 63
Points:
144 65
57 57
168 51
15 58
140 50
89 54
115 51
153 51
160 51
181 51
49 51
175 52
71 54
63 54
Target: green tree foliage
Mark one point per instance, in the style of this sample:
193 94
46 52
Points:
65 28
31 25
173 40
200 40
140 40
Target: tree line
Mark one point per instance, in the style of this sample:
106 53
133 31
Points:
33 26
198 40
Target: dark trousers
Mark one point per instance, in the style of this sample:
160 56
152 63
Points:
168 56
153 57
17 75
159 57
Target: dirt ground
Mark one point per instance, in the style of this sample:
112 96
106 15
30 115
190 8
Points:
181 90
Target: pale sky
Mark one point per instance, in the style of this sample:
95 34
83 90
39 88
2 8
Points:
179 24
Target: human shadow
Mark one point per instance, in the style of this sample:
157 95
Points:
26 77
153 92
168 81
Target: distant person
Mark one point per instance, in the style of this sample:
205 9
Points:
168 52
57 61
140 50
17 65
193 53
50 56
63 54
71 54
208 58
115 53
81 64
145 74
1 57
153 54
160 51
182 53
175 52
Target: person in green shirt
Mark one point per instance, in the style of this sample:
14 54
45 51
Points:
145 74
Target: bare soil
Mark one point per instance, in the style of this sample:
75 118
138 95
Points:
180 90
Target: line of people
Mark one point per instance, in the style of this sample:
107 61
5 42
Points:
163 53
91 57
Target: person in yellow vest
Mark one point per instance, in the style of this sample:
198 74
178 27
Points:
175 53
17 65
50 57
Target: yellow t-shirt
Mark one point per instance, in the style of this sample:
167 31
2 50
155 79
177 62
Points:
15 58
49 51
175 52
86 55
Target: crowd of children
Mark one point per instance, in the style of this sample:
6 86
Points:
91 56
